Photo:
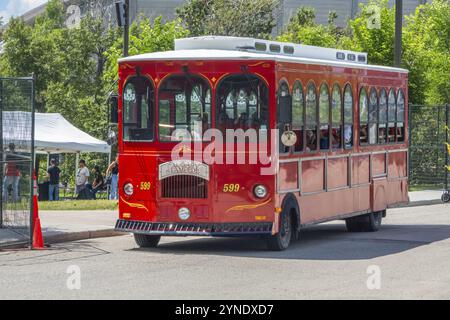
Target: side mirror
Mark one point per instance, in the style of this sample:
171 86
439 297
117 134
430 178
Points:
113 103
112 137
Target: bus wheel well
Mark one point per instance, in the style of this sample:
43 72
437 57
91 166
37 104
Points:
290 203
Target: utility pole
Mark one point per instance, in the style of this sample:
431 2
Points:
126 29
398 33
123 20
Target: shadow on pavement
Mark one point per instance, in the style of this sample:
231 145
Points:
323 242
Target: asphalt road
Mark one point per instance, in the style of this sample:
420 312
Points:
408 258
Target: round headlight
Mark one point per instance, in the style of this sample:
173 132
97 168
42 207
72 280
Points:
184 213
128 189
260 191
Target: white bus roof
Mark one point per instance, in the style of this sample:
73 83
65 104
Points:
235 48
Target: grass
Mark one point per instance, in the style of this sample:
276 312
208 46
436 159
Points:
78 205
422 187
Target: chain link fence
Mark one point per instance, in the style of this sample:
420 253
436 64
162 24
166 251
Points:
16 159
429 135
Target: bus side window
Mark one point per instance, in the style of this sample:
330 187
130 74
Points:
348 117
391 116
373 116
324 116
298 109
382 118
363 116
284 113
311 118
336 118
400 116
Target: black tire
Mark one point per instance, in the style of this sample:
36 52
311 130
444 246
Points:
370 222
352 224
282 239
146 241
445 197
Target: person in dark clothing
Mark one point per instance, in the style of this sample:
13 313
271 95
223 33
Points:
99 182
53 173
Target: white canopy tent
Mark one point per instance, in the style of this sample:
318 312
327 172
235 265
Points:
52 134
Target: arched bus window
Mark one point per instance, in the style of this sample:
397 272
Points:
183 110
363 116
297 114
348 117
391 116
138 110
336 117
284 113
311 118
373 116
324 117
242 103
382 117
400 116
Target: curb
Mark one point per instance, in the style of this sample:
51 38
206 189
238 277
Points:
81 235
66 237
420 203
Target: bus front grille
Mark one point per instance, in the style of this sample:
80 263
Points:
184 186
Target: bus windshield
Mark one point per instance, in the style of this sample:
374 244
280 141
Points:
138 123
242 103
184 108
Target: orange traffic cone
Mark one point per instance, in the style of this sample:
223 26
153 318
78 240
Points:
38 241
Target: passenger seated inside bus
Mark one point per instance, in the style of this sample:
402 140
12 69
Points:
311 140
382 134
336 138
299 143
324 139
242 122
348 136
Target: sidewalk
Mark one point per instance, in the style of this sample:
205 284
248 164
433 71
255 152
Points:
63 226
424 198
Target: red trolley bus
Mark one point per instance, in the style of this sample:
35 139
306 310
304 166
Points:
340 150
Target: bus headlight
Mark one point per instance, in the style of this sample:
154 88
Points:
260 191
184 213
128 189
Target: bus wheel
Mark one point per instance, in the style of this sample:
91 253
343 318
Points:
282 239
146 241
366 223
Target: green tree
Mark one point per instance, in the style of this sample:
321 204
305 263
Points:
244 18
378 39
303 29
426 52
145 37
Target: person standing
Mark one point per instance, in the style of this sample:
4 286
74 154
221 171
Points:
12 174
113 169
82 176
53 173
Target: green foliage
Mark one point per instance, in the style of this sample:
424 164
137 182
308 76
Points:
378 42
144 37
426 35
302 28
427 52
243 18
